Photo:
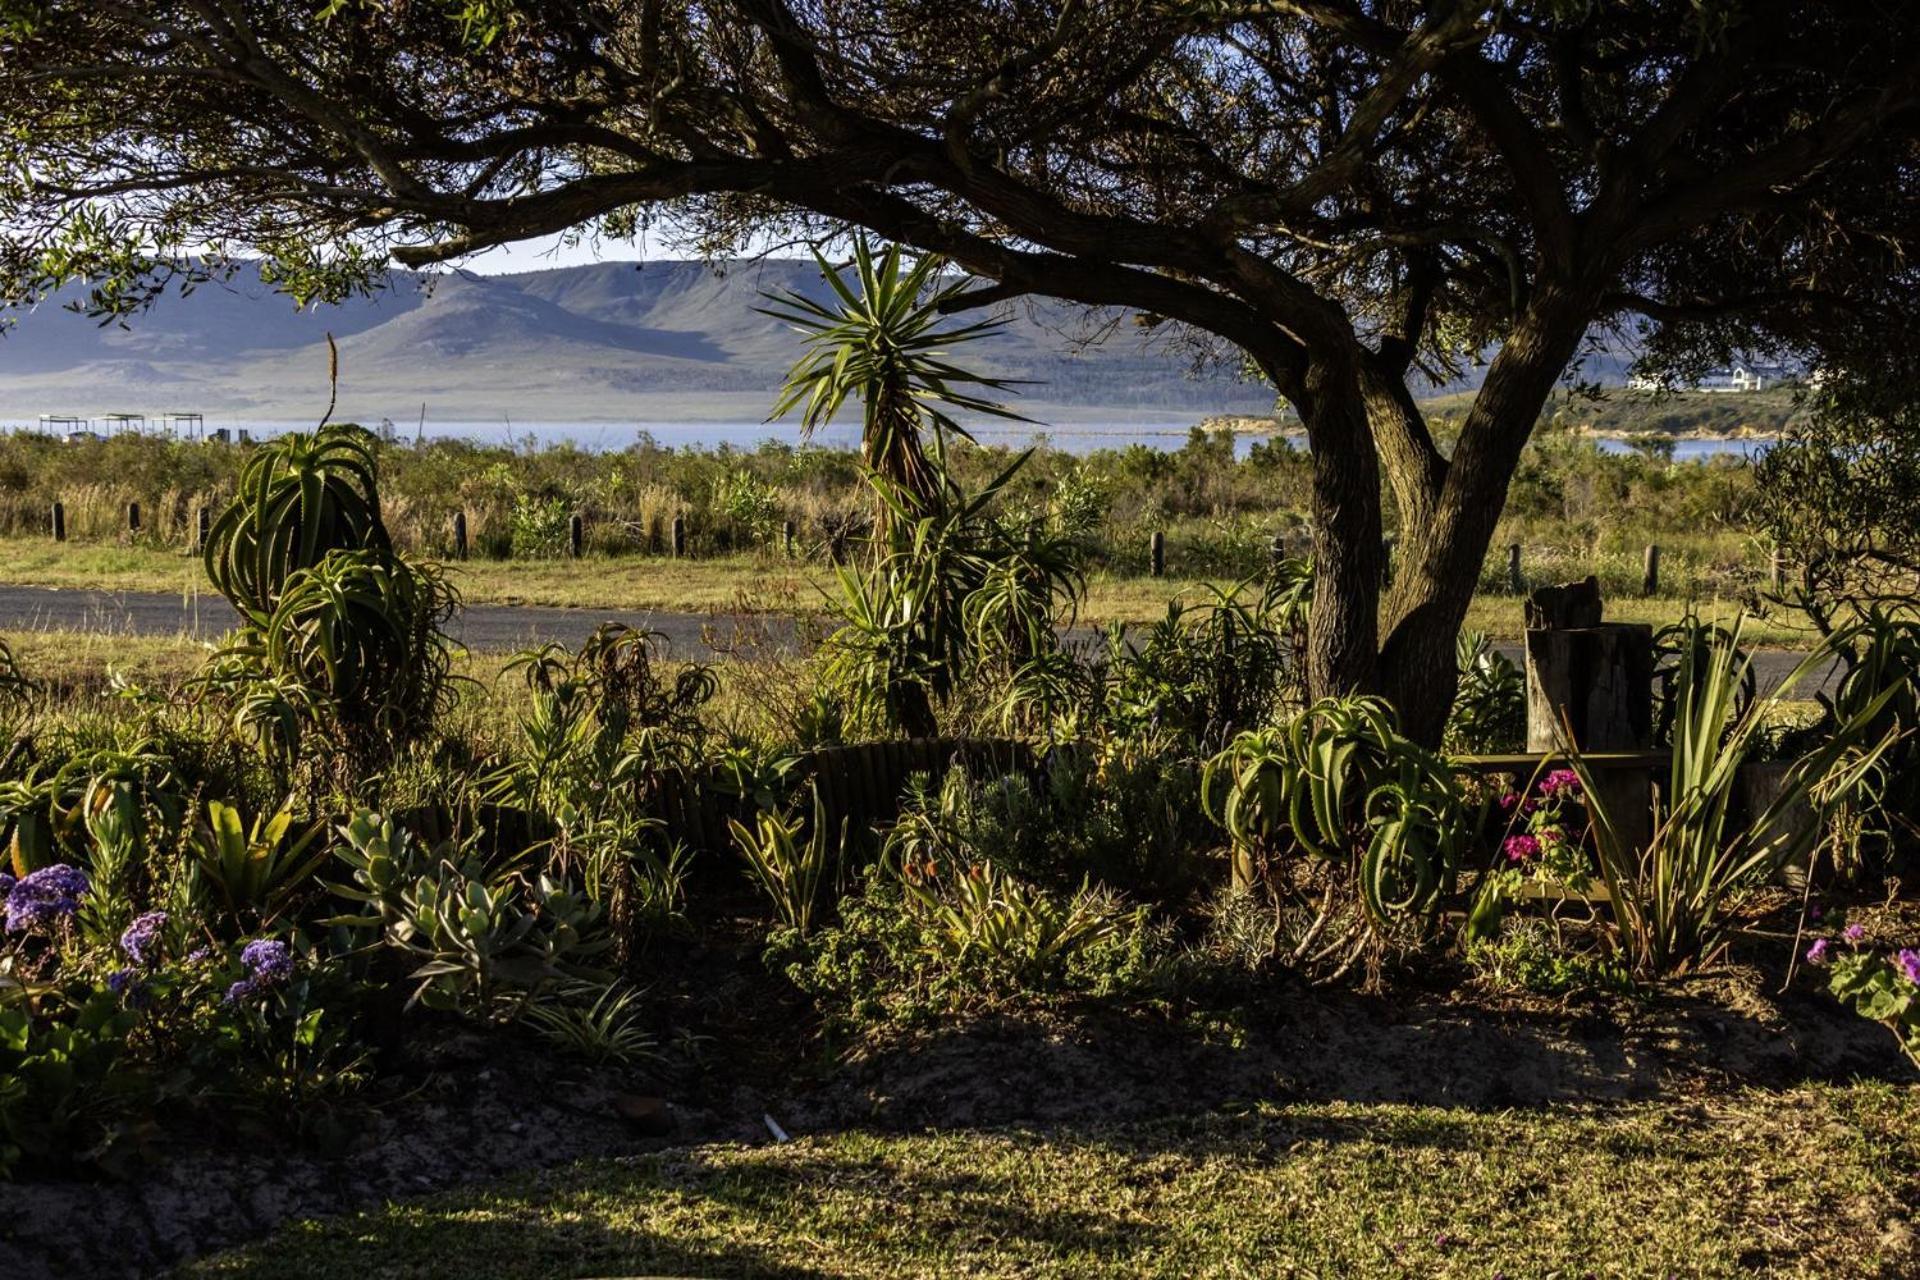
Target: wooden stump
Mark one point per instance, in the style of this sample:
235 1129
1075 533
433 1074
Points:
1590 686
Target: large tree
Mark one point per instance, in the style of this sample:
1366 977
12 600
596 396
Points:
1355 194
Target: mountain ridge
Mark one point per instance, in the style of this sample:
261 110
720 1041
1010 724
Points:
667 340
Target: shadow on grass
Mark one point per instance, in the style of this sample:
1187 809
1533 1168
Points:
1110 1063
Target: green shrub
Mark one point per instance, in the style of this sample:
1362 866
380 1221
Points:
909 946
1527 956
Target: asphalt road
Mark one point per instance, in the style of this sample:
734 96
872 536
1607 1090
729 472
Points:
489 628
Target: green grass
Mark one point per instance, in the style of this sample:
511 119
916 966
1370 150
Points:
1812 1182
654 583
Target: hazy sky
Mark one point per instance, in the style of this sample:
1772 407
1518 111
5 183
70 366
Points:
548 252
545 254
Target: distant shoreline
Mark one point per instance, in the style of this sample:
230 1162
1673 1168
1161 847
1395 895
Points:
1254 425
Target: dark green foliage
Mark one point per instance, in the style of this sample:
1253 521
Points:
1490 704
1203 673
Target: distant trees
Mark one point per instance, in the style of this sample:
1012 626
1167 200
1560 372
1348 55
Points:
1351 194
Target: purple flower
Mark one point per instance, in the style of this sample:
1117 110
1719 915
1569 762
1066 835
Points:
268 963
1814 912
199 955
1854 932
1520 848
36 901
1909 962
141 941
6 885
268 959
1817 953
120 981
1510 799
1561 782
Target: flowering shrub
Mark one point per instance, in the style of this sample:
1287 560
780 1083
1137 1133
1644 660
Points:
268 963
1546 842
1883 987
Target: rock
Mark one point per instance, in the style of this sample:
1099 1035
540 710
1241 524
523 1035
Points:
651 1116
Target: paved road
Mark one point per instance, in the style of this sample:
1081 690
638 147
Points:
490 628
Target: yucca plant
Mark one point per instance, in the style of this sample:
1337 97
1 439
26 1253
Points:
882 340
1672 901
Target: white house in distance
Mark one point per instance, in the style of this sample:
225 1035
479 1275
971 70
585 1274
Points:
1740 376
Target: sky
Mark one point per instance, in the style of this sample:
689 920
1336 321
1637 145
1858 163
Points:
547 253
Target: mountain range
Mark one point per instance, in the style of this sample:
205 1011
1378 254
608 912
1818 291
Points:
660 341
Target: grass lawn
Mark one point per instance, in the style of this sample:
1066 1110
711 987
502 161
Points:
1815 1181
651 583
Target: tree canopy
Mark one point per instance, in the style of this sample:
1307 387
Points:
1357 195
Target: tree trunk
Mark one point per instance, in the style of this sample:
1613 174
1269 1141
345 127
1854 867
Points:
1443 552
1344 626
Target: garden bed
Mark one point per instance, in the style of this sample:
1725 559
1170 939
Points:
467 1108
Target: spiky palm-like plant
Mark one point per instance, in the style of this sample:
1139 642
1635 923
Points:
881 341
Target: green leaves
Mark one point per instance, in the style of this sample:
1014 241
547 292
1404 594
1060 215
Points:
1340 783
1671 900
259 869
300 497
790 865
339 631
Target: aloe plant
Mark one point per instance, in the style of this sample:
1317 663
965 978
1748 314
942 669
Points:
1340 783
299 498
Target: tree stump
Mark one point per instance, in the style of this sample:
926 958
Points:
1590 687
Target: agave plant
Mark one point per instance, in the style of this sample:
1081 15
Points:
882 341
1672 901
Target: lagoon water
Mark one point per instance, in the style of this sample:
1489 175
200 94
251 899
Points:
1076 437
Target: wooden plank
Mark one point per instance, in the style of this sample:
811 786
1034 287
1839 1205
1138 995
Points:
1527 761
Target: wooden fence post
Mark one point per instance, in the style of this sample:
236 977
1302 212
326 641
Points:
133 517
203 527
59 522
1777 570
1157 554
1650 571
1515 583
576 534
786 537
679 536
459 535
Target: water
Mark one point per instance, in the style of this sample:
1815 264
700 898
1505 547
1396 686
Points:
1072 437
